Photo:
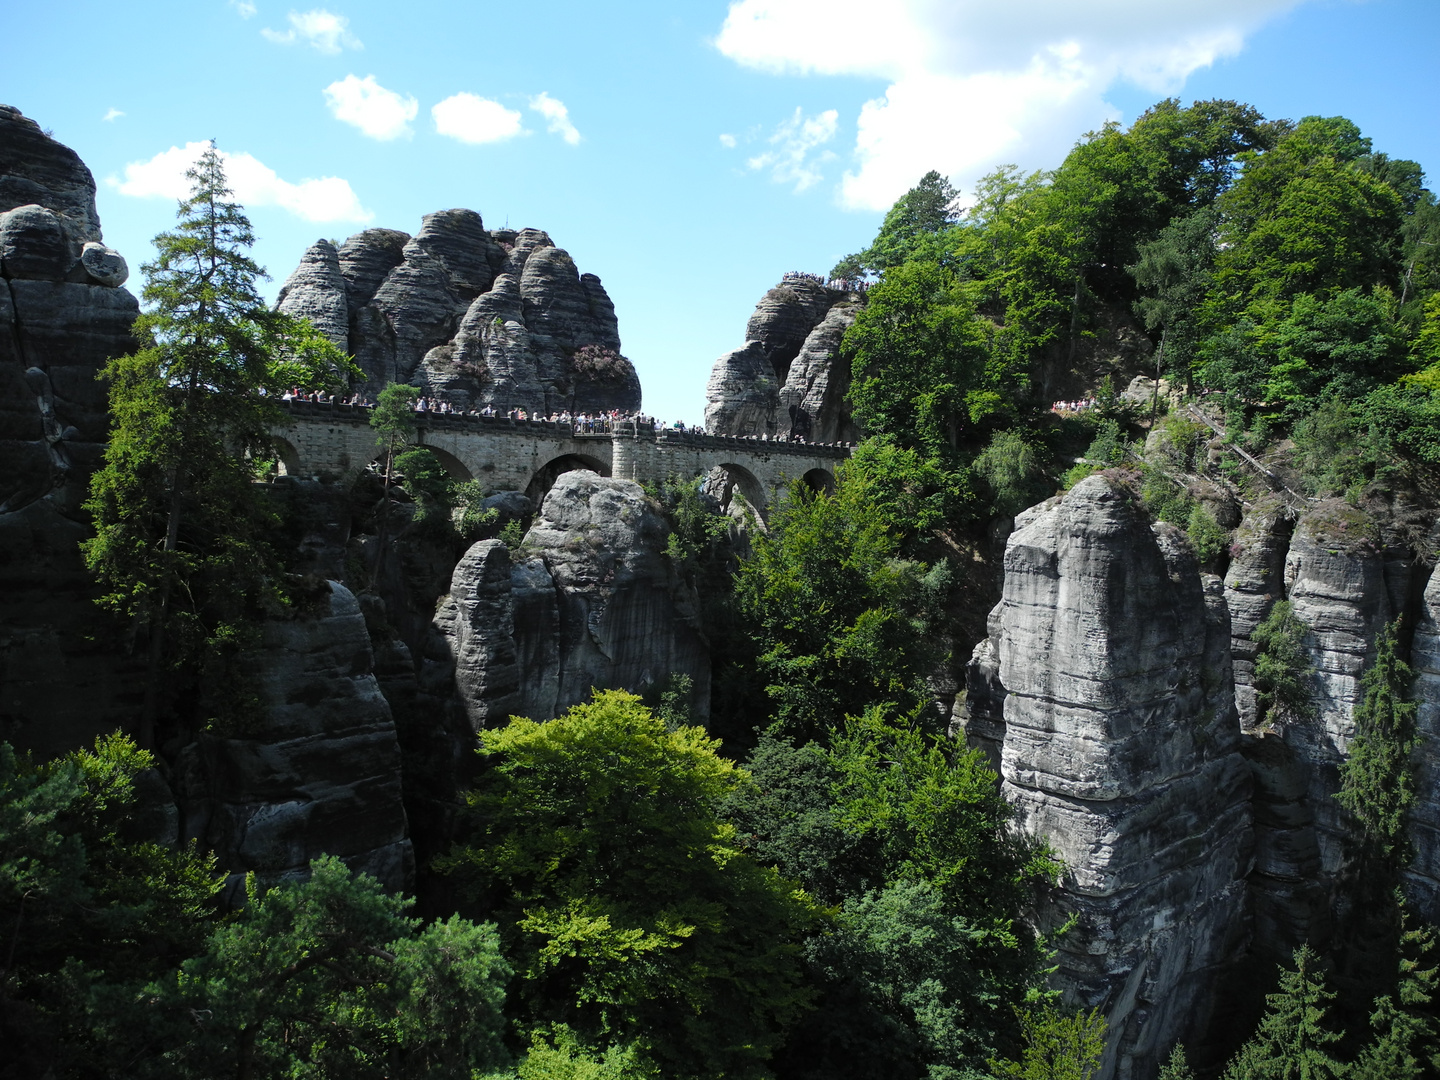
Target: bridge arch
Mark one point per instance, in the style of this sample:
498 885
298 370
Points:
820 480
545 476
453 465
287 457
727 478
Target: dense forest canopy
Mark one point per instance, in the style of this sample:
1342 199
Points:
826 883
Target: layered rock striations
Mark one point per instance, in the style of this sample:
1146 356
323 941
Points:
788 377
589 600
1120 745
63 314
1424 874
468 315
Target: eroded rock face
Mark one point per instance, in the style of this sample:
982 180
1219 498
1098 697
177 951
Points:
1253 583
316 291
469 316
62 317
1424 876
1120 745
590 602
815 383
321 776
788 377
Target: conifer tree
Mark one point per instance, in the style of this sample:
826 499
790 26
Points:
1404 1044
1377 784
181 533
1294 1039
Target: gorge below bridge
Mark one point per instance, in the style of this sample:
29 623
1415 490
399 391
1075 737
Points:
323 438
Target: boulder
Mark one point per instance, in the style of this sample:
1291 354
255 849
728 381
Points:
1254 581
35 169
1423 878
104 265
818 380
470 316
33 245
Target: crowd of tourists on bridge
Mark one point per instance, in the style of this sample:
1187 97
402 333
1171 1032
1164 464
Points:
599 422
582 423
1074 407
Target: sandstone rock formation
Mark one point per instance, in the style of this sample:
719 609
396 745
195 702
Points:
788 376
321 775
63 314
1424 876
468 315
1120 745
589 600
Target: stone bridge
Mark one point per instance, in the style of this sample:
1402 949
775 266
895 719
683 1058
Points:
527 455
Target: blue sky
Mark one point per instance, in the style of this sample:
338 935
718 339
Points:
689 154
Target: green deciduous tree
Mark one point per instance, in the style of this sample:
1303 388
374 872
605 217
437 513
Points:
182 537
630 910
840 620
927 209
1058 1046
911 841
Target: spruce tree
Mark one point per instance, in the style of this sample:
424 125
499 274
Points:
1294 1039
1377 784
181 545
1403 1035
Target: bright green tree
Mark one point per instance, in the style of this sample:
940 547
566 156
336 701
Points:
1177 1067
630 910
1404 1042
183 538
1058 1046
1294 1040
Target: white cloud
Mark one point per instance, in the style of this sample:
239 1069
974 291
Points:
245 8
382 114
727 141
557 117
112 114
791 160
974 83
321 29
328 198
473 119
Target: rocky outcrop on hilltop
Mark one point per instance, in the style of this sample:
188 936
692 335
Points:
788 377
1119 744
588 600
469 315
319 775
63 314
